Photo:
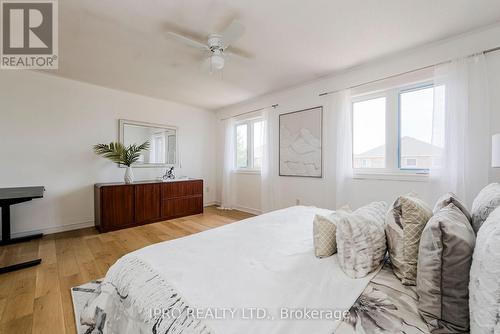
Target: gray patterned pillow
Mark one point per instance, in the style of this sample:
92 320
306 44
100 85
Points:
361 243
487 201
484 287
405 222
451 198
324 233
444 261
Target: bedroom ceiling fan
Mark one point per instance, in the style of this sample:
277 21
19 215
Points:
217 45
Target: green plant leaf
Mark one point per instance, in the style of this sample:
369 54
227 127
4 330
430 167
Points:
119 154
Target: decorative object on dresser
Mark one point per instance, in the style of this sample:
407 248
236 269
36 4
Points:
495 151
119 205
122 155
169 174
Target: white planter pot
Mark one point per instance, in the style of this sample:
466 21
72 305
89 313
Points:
129 176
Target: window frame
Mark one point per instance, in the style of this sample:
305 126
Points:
154 149
392 170
236 144
407 89
361 98
250 169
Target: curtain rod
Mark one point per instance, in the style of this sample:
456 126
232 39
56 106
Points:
403 73
251 111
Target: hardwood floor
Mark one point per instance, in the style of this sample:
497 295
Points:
38 299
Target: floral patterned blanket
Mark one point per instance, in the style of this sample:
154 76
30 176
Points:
385 306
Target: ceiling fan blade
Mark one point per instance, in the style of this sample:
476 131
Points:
238 53
233 31
188 41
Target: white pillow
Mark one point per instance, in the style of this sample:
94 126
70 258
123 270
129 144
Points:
361 243
487 201
484 286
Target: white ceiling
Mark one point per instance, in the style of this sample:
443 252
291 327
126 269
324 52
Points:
122 44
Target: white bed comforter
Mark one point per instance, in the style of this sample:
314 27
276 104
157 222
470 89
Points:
265 263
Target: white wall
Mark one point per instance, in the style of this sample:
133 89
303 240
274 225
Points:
48 126
322 192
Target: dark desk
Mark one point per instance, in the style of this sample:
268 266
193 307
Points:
8 197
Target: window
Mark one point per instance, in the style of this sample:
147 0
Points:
411 163
242 145
258 144
249 144
369 133
399 130
157 154
416 113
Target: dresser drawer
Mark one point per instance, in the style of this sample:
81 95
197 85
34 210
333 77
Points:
147 203
117 207
180 207
181 189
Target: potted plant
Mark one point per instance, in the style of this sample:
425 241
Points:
122 155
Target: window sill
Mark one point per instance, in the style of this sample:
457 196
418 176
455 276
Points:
391 176
247 171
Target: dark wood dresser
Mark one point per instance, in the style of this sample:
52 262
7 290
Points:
120 205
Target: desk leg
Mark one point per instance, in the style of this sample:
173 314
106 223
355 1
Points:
6 240
5 223
18 266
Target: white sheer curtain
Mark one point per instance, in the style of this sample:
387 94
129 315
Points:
269 169
461 115
227 198
343 166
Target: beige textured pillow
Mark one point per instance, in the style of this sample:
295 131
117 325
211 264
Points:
444 261
406 220
324 231
361 243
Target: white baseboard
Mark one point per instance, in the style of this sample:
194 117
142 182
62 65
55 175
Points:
55 229
243 208
247 210
78 226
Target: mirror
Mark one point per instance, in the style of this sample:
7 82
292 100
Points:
163 141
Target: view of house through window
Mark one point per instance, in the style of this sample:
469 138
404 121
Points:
369 133
249 144
419 148
242 146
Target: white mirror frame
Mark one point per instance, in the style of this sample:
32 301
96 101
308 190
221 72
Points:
123 122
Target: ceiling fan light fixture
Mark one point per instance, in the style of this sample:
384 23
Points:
217 62
216 45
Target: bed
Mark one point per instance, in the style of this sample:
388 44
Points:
258 275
